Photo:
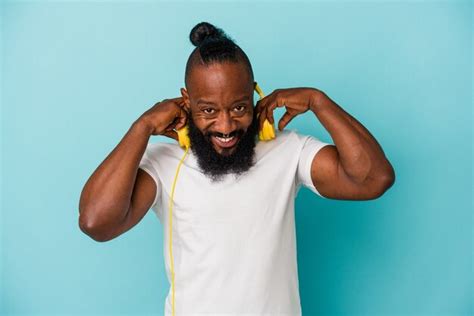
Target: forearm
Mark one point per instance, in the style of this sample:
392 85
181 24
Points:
105 198
360 154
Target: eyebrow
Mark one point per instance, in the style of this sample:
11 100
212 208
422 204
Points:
245 98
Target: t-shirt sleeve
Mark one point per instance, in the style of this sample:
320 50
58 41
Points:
149 165
311 146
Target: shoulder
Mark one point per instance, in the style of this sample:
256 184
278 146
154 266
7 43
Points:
289 138
294 135
306 140
285 142
162 150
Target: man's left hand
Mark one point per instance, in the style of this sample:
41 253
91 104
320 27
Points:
296 101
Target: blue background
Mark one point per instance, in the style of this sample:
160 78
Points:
76 75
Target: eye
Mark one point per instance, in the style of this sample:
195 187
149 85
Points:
242 108
208 110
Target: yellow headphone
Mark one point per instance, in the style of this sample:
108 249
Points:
265 134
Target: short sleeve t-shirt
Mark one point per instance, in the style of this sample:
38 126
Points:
234 241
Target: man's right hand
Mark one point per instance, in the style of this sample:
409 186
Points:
165 116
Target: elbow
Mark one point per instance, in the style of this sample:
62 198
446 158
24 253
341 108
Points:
385 182
388 179
92 230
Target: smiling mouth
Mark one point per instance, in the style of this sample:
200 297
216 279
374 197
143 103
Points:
225 142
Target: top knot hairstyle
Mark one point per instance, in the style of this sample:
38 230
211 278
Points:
213 45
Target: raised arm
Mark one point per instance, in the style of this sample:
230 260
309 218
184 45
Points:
106 196
356 167
118 194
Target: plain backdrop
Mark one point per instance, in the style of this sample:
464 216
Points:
75 75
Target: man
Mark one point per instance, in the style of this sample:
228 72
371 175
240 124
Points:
234 243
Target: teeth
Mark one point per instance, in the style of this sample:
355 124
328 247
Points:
225 140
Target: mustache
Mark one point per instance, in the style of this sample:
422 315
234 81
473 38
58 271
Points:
216 166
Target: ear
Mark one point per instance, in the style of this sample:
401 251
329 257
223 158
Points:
185 95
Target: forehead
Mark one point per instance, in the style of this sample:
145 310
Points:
220 82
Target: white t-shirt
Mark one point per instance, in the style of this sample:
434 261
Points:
234 241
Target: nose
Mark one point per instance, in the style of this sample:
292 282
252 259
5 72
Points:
225 124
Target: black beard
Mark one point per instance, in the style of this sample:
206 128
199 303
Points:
215 165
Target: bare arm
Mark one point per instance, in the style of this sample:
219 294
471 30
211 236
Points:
118 194
107 194
356 168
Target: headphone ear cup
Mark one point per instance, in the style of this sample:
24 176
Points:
268 130
183 137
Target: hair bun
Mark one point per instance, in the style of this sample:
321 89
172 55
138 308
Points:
203 31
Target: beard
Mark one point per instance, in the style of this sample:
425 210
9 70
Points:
215 165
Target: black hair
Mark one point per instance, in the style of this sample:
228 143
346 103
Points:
213 45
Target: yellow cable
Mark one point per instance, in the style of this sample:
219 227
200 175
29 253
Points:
170 228
267 133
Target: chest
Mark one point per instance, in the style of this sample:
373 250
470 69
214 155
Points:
265 189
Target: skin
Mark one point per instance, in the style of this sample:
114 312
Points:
355 168
230 88
118 194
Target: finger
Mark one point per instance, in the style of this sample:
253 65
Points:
261 104
182 120
270 115
262 117
181 103
267 114
258 107
172 124
278 103
273 104
285 119
171 134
